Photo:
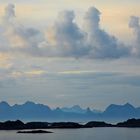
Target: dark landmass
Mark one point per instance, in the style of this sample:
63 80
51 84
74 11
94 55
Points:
130 123
97 124
65 125
32 111
19 125
12 125
34 132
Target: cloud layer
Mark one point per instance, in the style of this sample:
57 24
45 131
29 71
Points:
65 38
135 25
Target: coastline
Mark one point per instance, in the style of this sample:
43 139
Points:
19 125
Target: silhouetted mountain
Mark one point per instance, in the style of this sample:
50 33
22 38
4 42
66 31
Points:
32 111
96 111
88 111
5 110
4 105
125 111
74 109
97 124
78 109
127 108
28 110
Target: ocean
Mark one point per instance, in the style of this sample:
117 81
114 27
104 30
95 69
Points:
77 134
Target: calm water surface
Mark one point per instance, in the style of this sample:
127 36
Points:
77 134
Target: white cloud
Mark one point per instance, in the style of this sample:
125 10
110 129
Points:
16 37
65 38
9 12
102 44
135 25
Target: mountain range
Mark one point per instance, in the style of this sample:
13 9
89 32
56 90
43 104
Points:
40 112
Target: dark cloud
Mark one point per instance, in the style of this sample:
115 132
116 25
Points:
69 38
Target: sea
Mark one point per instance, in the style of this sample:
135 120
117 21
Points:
77 134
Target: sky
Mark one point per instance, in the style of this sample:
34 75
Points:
70 52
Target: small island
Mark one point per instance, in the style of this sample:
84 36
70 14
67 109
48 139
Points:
34 132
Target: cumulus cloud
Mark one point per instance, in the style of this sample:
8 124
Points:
16 37
101 43
135 25
93 42
9 12
68 37
65 38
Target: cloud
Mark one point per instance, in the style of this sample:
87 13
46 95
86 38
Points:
10 12
135 25
101 43
90 42
64 39
32 73
100 78
16 37
69 39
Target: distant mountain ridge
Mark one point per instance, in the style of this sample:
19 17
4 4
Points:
78 109
32 111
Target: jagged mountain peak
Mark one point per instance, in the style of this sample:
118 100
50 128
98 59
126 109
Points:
29 103
4 103
31 110
128 105
88 110
76 107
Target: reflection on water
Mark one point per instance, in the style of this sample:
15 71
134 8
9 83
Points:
77 134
